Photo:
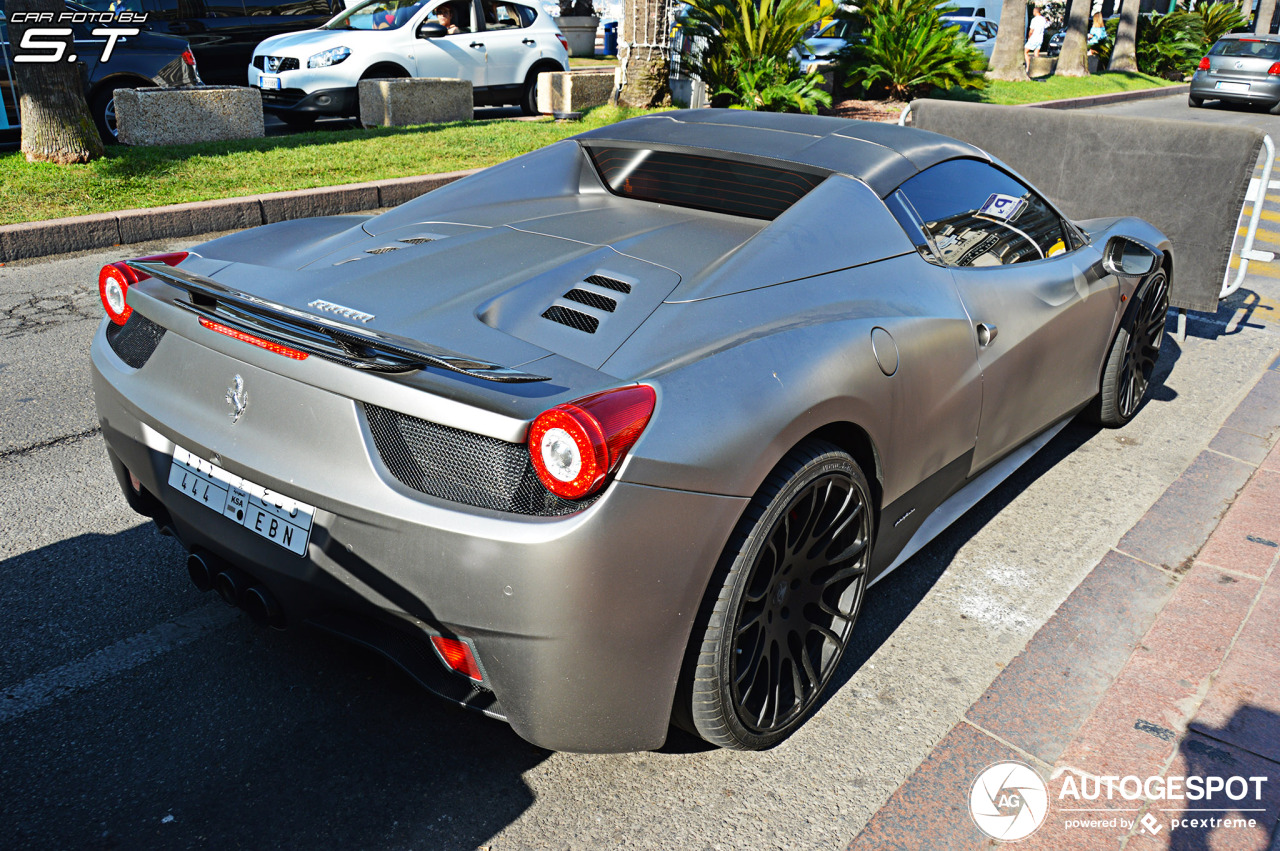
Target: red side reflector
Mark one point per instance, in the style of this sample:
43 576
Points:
252 340
457 655
1204 64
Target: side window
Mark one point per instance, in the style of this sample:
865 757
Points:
976 215
503 16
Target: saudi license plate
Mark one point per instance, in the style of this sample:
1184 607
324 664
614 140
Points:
274 516
1233 87
267 82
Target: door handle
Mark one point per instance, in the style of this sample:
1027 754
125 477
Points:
986 333
477 44
528 41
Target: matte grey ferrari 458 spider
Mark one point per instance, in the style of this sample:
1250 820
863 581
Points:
617 434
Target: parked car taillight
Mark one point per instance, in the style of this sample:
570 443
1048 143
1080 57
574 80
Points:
1204 64
575 446
189 58
564 41
115 279
1274 69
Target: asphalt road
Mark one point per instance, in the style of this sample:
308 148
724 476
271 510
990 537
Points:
136 712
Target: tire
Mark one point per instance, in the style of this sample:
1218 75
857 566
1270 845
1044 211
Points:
1194 102
1275 108
782 603
1133 355
529 94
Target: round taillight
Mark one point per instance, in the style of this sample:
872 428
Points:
574 447
115 279
1204 64
113 287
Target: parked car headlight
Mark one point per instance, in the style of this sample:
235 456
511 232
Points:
332 56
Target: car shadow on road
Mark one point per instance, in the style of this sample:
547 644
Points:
239 737
1243 309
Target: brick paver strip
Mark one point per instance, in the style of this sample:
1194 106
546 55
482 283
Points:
1155 665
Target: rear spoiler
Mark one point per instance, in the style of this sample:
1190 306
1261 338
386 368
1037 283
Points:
359 348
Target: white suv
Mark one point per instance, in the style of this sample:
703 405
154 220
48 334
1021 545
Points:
500 46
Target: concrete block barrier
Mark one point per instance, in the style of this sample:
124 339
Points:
184 115
414 100
574 91
1188 179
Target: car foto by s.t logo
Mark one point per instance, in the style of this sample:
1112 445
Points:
1008 801
50 44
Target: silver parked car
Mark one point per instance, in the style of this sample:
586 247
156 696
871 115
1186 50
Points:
1239 69
618 433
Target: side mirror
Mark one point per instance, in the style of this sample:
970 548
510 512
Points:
1128 259
431 29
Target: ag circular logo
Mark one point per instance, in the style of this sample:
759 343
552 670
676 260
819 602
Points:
1008 801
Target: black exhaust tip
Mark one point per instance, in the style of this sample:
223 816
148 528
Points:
201 571
261 607
231 585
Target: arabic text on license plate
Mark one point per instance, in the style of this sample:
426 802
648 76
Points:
269 82
1233 87
276 517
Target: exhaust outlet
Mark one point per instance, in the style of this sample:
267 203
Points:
261 607
201 571
231 585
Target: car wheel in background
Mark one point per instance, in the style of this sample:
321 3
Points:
1133 355
1194 102
102 105
1275 108
782 602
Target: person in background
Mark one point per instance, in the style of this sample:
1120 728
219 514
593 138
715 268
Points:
1035 36
445 16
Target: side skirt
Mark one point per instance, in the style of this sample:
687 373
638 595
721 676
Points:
968 496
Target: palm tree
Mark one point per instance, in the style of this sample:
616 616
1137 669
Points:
1007 61
1124 56
56 125
1073 61
642 51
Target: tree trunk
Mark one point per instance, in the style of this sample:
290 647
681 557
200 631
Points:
1124 55
1266 11
56 124
1007 60
643 45
1073 61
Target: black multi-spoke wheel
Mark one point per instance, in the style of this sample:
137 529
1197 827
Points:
1133 355
784 601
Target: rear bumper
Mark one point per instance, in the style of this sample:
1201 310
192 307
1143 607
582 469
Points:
580 623
1205 84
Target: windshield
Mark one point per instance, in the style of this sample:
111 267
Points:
964 26
377 15
1247 47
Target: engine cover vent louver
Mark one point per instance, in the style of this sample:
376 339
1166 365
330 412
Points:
609 283
590 299
418 240
572 318
383 250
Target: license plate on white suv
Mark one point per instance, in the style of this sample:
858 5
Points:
268 82
274 516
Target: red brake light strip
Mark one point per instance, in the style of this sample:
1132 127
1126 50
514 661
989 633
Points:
252 340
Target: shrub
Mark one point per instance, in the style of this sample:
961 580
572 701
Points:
908 49
1218 19
748 55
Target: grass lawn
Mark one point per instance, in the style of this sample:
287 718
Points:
592 62
1056 88
128 178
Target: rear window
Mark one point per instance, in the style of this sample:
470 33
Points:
1247 47
703 183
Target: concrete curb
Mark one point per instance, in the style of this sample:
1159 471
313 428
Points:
103 230
1113 97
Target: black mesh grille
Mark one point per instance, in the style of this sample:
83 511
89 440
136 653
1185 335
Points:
609 283
260 62
590 299
461 466
282 97
572 318
418 240
135 340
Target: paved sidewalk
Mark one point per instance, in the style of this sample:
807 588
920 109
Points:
1163 664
